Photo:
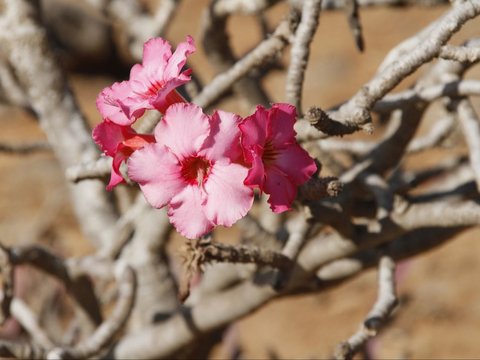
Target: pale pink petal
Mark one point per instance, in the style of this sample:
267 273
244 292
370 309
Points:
111 103
254 128
228 199
224 138
296 163
158 173
282 191
109 135
256 174
186 213
282 117
156 53
143 81
183 129
179 58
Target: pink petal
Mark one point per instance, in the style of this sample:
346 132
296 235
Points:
282 191
256 174
254 128
228 199
282 117
296 163
141 80
186 213
158 173
179 58
163 99
156 53
183 129
111 103
116 176
109 136
224 138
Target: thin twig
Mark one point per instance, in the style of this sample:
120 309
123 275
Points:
378 316
351 10
300 52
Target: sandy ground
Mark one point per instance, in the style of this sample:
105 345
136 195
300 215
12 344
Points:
439 313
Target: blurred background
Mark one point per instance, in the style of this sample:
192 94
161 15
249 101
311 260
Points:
439 312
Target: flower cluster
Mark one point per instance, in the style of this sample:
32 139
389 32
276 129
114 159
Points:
203 167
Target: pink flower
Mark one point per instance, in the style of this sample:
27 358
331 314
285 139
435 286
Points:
194 168
118 142
278 163
154 81
151 85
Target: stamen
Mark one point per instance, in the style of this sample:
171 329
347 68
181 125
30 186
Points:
195 170
269 153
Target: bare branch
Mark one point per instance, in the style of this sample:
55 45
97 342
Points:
266 49
357 109
106 332
471 130
48 95
6 269
24 149
460 53
29 321
204 251
79 286
136 25
90 170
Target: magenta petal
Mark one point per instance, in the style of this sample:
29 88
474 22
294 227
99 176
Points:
111 103
156 53
224 138
186 213
109 135
282 118
254 128
228 199
179 58
296 163
256 174
282 191
183 129
158 173
116 176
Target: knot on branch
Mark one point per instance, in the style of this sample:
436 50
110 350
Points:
198 252
318 188
320 120
343 351
201 251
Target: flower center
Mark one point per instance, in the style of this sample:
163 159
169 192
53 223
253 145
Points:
155 87
269 153
195 170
